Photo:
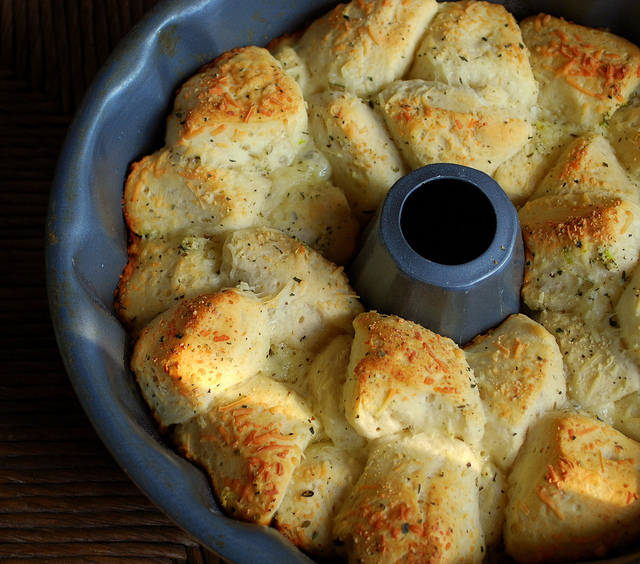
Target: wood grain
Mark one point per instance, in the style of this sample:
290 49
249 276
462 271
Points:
62 496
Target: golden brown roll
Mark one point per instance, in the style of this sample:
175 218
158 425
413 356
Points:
250 442
314 496
585 74
417 501
433 122
520 375
361 47
600 370
476 44
198 348
165 196
588 164
573 491
363 156
403 376
240 111
578 247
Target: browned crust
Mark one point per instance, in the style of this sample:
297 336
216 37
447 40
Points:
593 62
242 85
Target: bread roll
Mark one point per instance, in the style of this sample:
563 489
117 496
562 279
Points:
573 491
305 204
326 378
308 299
250 442
476 44
403 376
600 371
313 497
493 500
160 272
520 375
433 122
577 248
417 501
363 156
201 346
284 50
627 315
361 47
166 197
520 175
241 111
584 73
624 135
588 164
625 415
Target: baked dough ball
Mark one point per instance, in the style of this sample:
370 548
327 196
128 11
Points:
161 272
305 204
326 378
314 495
250 442
599 368
578 248
308 298
417 501
403 376
432 122
361 47
198 348
627 315
624 134
573 491
241 111
588 164
363 156
163 196
584 73
284 50
520 375
476 44
167 197
520 175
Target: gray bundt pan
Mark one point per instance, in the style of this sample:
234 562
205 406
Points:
121 118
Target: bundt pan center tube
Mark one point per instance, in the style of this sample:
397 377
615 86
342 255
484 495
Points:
444 250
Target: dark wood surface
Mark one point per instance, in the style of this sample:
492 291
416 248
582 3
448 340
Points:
62 496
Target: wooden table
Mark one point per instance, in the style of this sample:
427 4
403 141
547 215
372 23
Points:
62 496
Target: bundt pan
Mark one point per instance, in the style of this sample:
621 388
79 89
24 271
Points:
122 117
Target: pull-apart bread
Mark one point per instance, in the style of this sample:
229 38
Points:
520 375
584 74
573 491
402 375
477 44
358 434
416 501
361 46
241 111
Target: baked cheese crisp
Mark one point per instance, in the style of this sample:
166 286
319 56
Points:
367 437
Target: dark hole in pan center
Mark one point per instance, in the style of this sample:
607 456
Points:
448 221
